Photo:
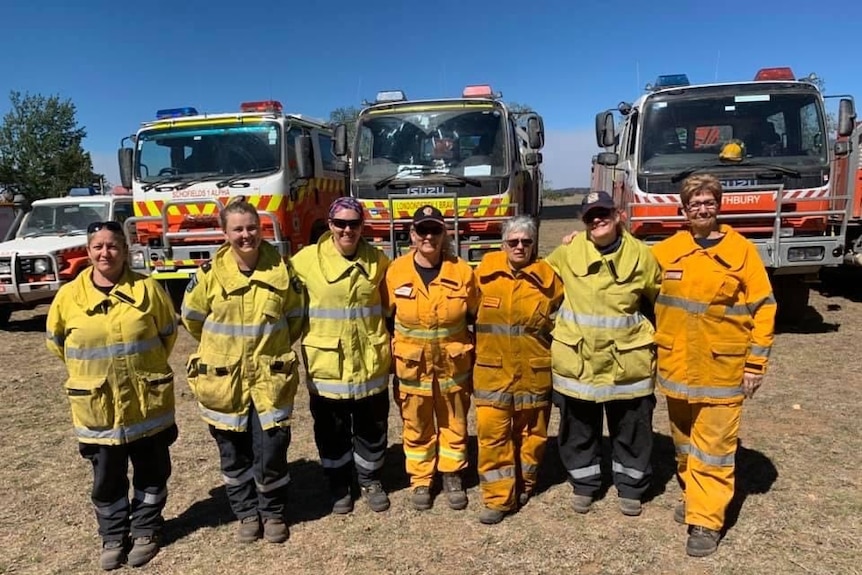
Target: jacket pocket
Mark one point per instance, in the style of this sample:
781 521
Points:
409 361
634 357
157 391
91 401
456 307
378 354
728 362
217 382
459 358
486 360
280 377
541 372
324 356
567 353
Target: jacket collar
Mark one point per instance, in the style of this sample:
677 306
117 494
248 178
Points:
448 277
335 266
729 252
622 262
268 270
497 263
129 290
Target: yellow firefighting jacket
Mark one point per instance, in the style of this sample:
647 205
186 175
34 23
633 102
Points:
116 349
715 317
603 344
431 341
513 333
246 326
345 343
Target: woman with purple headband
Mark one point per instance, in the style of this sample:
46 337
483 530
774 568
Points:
346 350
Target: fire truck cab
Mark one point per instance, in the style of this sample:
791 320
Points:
185 166
471 157
777 187
50 247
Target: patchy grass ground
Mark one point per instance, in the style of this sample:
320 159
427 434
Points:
798 507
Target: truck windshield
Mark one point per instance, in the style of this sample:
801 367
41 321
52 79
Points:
62 219
425 142
778 127
188 152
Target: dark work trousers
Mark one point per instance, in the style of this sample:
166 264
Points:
351 433
151 468
254 468
630 430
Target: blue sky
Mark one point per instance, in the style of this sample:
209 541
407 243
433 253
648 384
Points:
569 59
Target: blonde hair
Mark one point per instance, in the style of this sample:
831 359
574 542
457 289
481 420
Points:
700 183
237 205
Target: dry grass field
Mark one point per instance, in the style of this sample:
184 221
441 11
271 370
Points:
798 506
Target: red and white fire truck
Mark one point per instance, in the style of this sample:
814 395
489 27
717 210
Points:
471 157
50 247
779 192
848 177
184 166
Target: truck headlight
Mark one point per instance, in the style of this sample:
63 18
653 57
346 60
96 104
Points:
5 267
137 260
41 266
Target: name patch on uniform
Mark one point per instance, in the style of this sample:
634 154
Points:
404 291
490 301
673 275
193 281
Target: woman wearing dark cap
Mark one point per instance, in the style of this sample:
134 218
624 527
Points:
347 356
432 297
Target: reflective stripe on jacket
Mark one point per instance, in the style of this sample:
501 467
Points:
116 349
246 326
513 333
603 344
431 341
345 343
715 317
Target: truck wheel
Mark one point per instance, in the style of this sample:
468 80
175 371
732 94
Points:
5 314
791 293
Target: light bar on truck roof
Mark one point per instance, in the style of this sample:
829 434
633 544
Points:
479 91
669 81
273 106
390 96
176 112
767 74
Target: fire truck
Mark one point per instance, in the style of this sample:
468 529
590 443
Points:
49 248
778 190
184 166
471 157
848 176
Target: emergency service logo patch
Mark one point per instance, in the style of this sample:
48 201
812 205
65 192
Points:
592 198
673 275
428 211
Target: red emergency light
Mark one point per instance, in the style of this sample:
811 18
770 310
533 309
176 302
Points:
479 91
262 106
767 74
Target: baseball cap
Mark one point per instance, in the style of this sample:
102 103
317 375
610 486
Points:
596 200
428 214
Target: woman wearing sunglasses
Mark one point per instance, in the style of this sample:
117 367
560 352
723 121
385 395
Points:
347 356
432 297
114 330
245 308
512 376
603 357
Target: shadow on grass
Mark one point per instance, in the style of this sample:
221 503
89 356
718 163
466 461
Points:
755 475
34 324
811 323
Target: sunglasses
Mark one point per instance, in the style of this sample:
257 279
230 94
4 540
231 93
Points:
343 224
429 229
526 242
597 214
115 227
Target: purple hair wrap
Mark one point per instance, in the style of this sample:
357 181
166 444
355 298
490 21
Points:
346 203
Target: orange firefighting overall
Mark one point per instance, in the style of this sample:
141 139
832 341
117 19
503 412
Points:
433 357
512 376
715 317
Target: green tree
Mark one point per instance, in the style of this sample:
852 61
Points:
346 115
40 147
518 109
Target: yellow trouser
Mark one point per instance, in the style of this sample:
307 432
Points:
705 437
511 446
425 442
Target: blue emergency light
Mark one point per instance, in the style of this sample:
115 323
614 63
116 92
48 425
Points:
671 81
176 112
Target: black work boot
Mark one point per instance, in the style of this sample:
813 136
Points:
112 555
143 550
702 541
455 494
375 496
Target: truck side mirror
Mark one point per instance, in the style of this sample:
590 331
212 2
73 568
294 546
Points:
340 139
846 117
124 156
304 157
535 131
607 158
605 136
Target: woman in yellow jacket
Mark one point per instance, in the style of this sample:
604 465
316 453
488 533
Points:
346 349
715 319
512 375
432 297
603 355
114 330
245 307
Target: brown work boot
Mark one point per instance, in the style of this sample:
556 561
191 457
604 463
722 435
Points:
630 507
455 494
112 555
248 529
275 530
582 503
679 513
421 498
143 550
702 541
490 516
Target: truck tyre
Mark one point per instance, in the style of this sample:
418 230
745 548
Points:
791 294
5 314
